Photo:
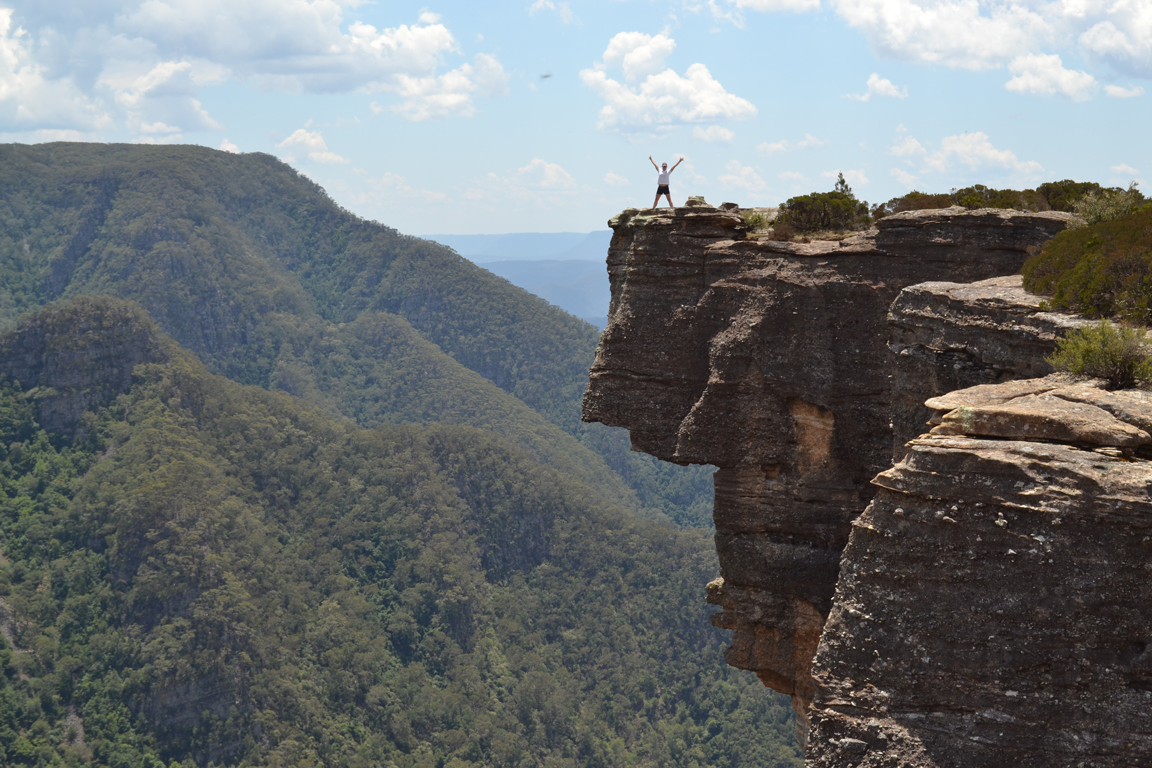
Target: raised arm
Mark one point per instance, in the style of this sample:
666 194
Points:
653 163
674 167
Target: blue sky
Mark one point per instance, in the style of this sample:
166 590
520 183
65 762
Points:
438 117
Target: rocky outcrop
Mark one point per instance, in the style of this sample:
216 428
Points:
995 600
948 336
78 357
770 360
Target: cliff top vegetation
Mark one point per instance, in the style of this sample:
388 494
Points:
1103 269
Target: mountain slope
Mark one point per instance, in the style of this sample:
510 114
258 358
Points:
255 270
200 571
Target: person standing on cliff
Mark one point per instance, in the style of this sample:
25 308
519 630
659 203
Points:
662 181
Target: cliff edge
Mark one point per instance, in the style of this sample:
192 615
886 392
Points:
770 360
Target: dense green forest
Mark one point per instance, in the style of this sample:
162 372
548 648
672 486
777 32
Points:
253 268
197 571
282 487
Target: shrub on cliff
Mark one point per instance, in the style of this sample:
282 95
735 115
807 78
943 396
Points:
837 210
1100 270
1118 354
1107 204
1050 196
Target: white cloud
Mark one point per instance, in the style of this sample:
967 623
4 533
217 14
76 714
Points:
879 86
1045 75
1125 39
989 34
638 54
903 177
967 34
791 176
30 98
1124 170
713 133
1119 92
663 99
313 143
450 94
974 150
852 177
162 95
561 9
615 180
227 146
742 177
541 183
809 141
154 55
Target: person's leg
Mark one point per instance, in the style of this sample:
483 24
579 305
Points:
669 196
656 202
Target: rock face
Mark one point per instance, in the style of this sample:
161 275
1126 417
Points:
950 336
770 361
995 600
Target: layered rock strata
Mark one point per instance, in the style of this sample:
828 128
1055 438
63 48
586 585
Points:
995 600
770 360
948 336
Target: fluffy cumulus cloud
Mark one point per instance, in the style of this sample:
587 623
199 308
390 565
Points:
142 62
31 98
312 144
541 183
882 87
742 177
714 134
1123 38
1025 36
615 180
1120 92
972 150
1045 75
654 99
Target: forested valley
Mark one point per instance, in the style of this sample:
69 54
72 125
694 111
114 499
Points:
280 486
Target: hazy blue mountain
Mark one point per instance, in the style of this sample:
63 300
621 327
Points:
590 246
578 287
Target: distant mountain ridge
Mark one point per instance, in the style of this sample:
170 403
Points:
252 267
578 287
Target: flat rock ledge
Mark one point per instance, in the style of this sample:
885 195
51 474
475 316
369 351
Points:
994 605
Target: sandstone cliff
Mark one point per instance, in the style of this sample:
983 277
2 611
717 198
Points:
770 360
994 604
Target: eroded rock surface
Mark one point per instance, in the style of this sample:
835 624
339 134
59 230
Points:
994 606
770 361
953 335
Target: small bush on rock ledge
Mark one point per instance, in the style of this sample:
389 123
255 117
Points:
1117 354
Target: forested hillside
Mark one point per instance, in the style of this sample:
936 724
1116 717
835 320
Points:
253 268
195 571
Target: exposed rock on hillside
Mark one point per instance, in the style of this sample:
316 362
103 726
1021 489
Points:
994 601
770 360
79 357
